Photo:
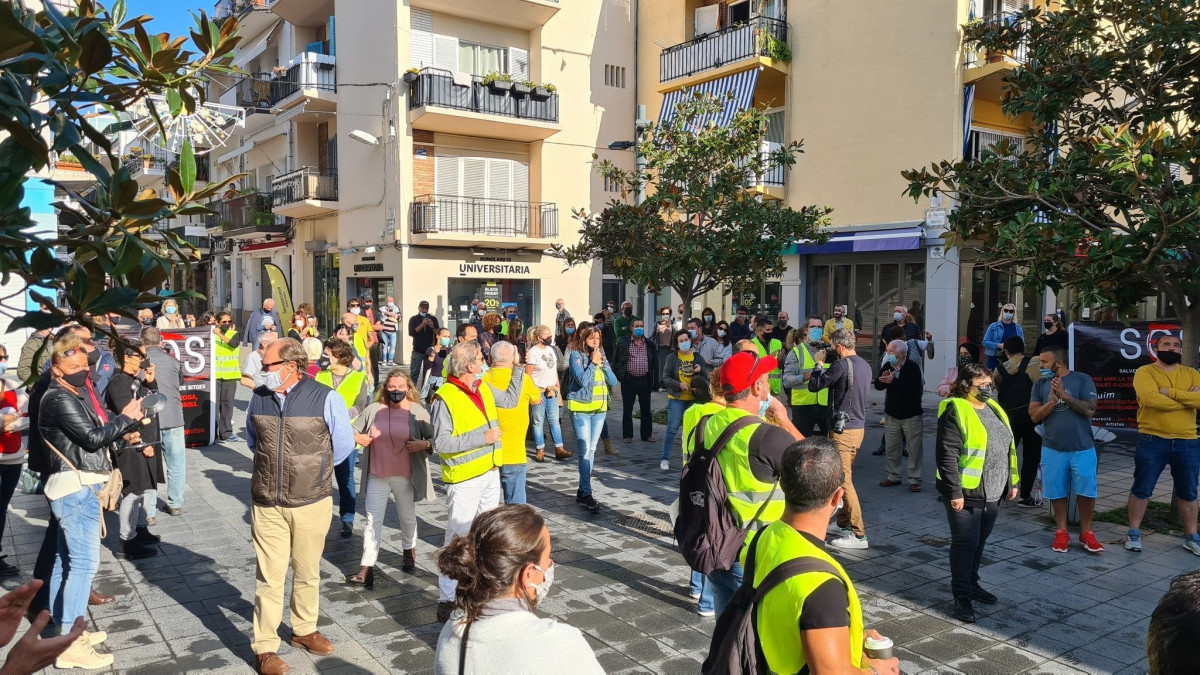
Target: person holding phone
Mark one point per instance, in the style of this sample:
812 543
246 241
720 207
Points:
141 464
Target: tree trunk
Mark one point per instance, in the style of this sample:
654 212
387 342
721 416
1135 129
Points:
1189 321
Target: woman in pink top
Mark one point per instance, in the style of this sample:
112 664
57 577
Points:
397 441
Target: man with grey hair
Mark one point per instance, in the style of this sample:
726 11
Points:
466 436
252 371
168 373
847 380
145 316
298 430
900 377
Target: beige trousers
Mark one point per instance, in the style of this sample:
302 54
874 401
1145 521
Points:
284 536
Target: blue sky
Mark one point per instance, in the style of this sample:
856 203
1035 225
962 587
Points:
172 17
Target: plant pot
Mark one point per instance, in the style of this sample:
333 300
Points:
521 88
500 85
542 92
410 77
147 164
68 166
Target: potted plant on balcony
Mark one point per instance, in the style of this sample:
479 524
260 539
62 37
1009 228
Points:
498 81
524 86
262 218
544 90
147 161
411 75
68 162
773 48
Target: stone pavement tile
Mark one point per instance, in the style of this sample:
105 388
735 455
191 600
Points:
908 629
691 641
997 660
949 645
411 661
1113 650
133 657
656 623
681 665
613 661
139 637
1085 659
647 650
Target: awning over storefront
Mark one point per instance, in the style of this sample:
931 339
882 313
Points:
741 85
902 239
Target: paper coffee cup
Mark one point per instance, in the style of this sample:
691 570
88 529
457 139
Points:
880 649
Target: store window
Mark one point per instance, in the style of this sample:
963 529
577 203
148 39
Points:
982 292
871 291
326 295
495 294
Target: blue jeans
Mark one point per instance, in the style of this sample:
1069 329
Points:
78 555
587 434
175 458
675 410
701 585
1153 454
347 495
539 413
724 583
389 345
512 482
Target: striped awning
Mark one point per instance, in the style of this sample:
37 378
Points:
741 85
902 239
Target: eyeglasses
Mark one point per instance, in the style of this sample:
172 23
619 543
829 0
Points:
353 305
272 364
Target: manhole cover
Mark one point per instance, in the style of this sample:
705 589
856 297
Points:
642 522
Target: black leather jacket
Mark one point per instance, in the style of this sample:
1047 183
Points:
68 422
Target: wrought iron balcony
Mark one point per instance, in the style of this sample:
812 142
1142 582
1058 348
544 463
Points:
973 57
441 89
761 36
244 214
308 71
448 214
303 184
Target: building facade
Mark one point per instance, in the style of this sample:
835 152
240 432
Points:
430 150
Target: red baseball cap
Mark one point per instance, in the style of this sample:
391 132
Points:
743 369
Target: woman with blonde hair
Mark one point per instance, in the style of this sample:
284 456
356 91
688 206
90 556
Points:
170 319
396 436
315 350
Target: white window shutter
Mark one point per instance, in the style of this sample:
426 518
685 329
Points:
445 52
421 40
475 177
446 174
520 182
518 63
500 179
707 19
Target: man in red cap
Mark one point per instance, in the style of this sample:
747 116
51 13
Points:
750 462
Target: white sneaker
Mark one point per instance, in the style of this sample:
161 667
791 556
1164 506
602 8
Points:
834 529
664 465
849 542
1192 544
706 612
81 655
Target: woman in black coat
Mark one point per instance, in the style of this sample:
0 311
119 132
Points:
141 465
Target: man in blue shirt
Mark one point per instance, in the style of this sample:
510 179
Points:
298 430
1063 402
255 324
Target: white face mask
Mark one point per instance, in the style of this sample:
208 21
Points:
544 587
355 310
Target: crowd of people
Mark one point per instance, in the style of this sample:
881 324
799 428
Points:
785 407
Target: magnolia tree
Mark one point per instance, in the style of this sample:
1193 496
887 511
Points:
56 68
699 226
1103 196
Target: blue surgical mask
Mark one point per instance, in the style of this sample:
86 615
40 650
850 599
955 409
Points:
891 359
1046 373
639 332
815 334
897 316
693 333
764 406
685 346
512 315
599 325
1008 315
569 330
171 310
3 367
445 342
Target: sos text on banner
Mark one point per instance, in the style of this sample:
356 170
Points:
1110 353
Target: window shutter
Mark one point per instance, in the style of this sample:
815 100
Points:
474 171
518 64
445 52
707 18
421 38
445 174
332 37
520 181
500 179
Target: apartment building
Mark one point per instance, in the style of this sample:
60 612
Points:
872 89
424 149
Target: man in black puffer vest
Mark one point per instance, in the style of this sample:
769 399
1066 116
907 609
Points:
298 429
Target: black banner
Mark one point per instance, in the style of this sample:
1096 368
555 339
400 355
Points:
1111 353
198 389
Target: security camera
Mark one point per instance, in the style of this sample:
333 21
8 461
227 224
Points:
363 137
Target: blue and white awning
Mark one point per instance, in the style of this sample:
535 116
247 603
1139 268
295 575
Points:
862 241
741 85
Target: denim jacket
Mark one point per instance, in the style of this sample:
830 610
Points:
993 338
583 373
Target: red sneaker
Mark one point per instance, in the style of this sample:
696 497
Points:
1088 541
1061 541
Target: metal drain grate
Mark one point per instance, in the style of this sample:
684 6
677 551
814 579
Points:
643 522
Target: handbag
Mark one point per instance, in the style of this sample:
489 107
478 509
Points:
109 495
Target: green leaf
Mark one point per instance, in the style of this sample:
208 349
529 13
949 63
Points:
174 102
187 166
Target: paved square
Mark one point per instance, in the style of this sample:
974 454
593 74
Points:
621 582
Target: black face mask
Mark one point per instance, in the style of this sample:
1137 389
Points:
964 359
1170 358
983 394
627 311
148 321
93 357
77 380
396 396
1048 324
323 363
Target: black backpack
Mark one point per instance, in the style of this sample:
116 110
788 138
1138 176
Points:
1013 389
735 645
705 530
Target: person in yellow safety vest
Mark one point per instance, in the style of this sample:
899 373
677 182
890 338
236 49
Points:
466 437
226 341
360 337
976 470
337 373
750 462
810 410
768 346
813 621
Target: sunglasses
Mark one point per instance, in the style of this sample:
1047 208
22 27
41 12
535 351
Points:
272 364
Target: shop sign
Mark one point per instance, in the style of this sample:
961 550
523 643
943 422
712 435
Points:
369 267
491 297
492 268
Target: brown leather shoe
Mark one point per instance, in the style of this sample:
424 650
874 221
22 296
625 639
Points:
608 447
365 577
541 455
410 560
97 598
561 453
314 643
271 664
914 488
887 482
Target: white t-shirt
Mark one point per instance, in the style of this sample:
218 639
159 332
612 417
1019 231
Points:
253 367
545 366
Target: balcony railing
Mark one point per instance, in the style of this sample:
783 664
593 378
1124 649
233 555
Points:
238 8
304 184
440 89
158 160
257 92
728 45
201 167
307 71
252 210
977 57
491 217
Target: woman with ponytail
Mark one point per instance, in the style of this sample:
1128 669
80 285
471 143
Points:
503 570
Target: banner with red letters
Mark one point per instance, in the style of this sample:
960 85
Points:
1111 353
